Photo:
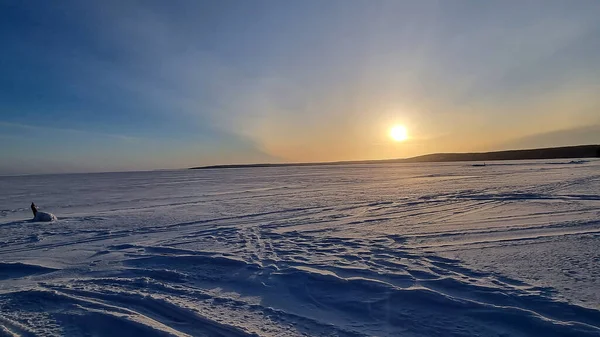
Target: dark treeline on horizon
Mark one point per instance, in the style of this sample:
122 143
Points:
566 152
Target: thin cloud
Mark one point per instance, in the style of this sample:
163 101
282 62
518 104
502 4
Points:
71 131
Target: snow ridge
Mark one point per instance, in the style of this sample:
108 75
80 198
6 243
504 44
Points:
343 251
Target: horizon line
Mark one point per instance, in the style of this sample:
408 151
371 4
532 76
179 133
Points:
410 159
341 162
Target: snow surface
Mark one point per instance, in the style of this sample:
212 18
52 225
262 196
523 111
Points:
509 249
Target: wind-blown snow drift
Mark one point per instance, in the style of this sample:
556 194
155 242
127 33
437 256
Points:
383 250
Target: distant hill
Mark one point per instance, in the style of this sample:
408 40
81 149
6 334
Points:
582 151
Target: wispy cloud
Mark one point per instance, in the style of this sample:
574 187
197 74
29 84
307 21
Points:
270 81
45 129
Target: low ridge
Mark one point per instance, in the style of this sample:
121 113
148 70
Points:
565 152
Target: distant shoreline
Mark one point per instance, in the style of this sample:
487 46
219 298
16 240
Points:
565 152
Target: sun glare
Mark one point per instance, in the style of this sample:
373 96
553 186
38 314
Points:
399 133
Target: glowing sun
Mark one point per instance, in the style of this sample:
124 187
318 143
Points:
399 133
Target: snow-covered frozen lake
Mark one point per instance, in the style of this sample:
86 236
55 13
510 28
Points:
509 249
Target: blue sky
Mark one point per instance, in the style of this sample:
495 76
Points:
128 85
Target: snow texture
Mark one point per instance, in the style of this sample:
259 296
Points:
507 249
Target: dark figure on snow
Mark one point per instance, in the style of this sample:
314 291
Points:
41 216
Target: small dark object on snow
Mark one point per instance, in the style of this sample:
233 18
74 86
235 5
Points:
41 216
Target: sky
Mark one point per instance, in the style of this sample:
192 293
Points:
90 86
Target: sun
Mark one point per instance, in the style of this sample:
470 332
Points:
399 133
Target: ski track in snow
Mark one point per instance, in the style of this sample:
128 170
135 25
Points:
357 250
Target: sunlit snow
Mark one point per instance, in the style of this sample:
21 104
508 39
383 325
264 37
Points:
506 249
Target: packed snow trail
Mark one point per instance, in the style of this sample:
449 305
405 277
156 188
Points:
512 248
